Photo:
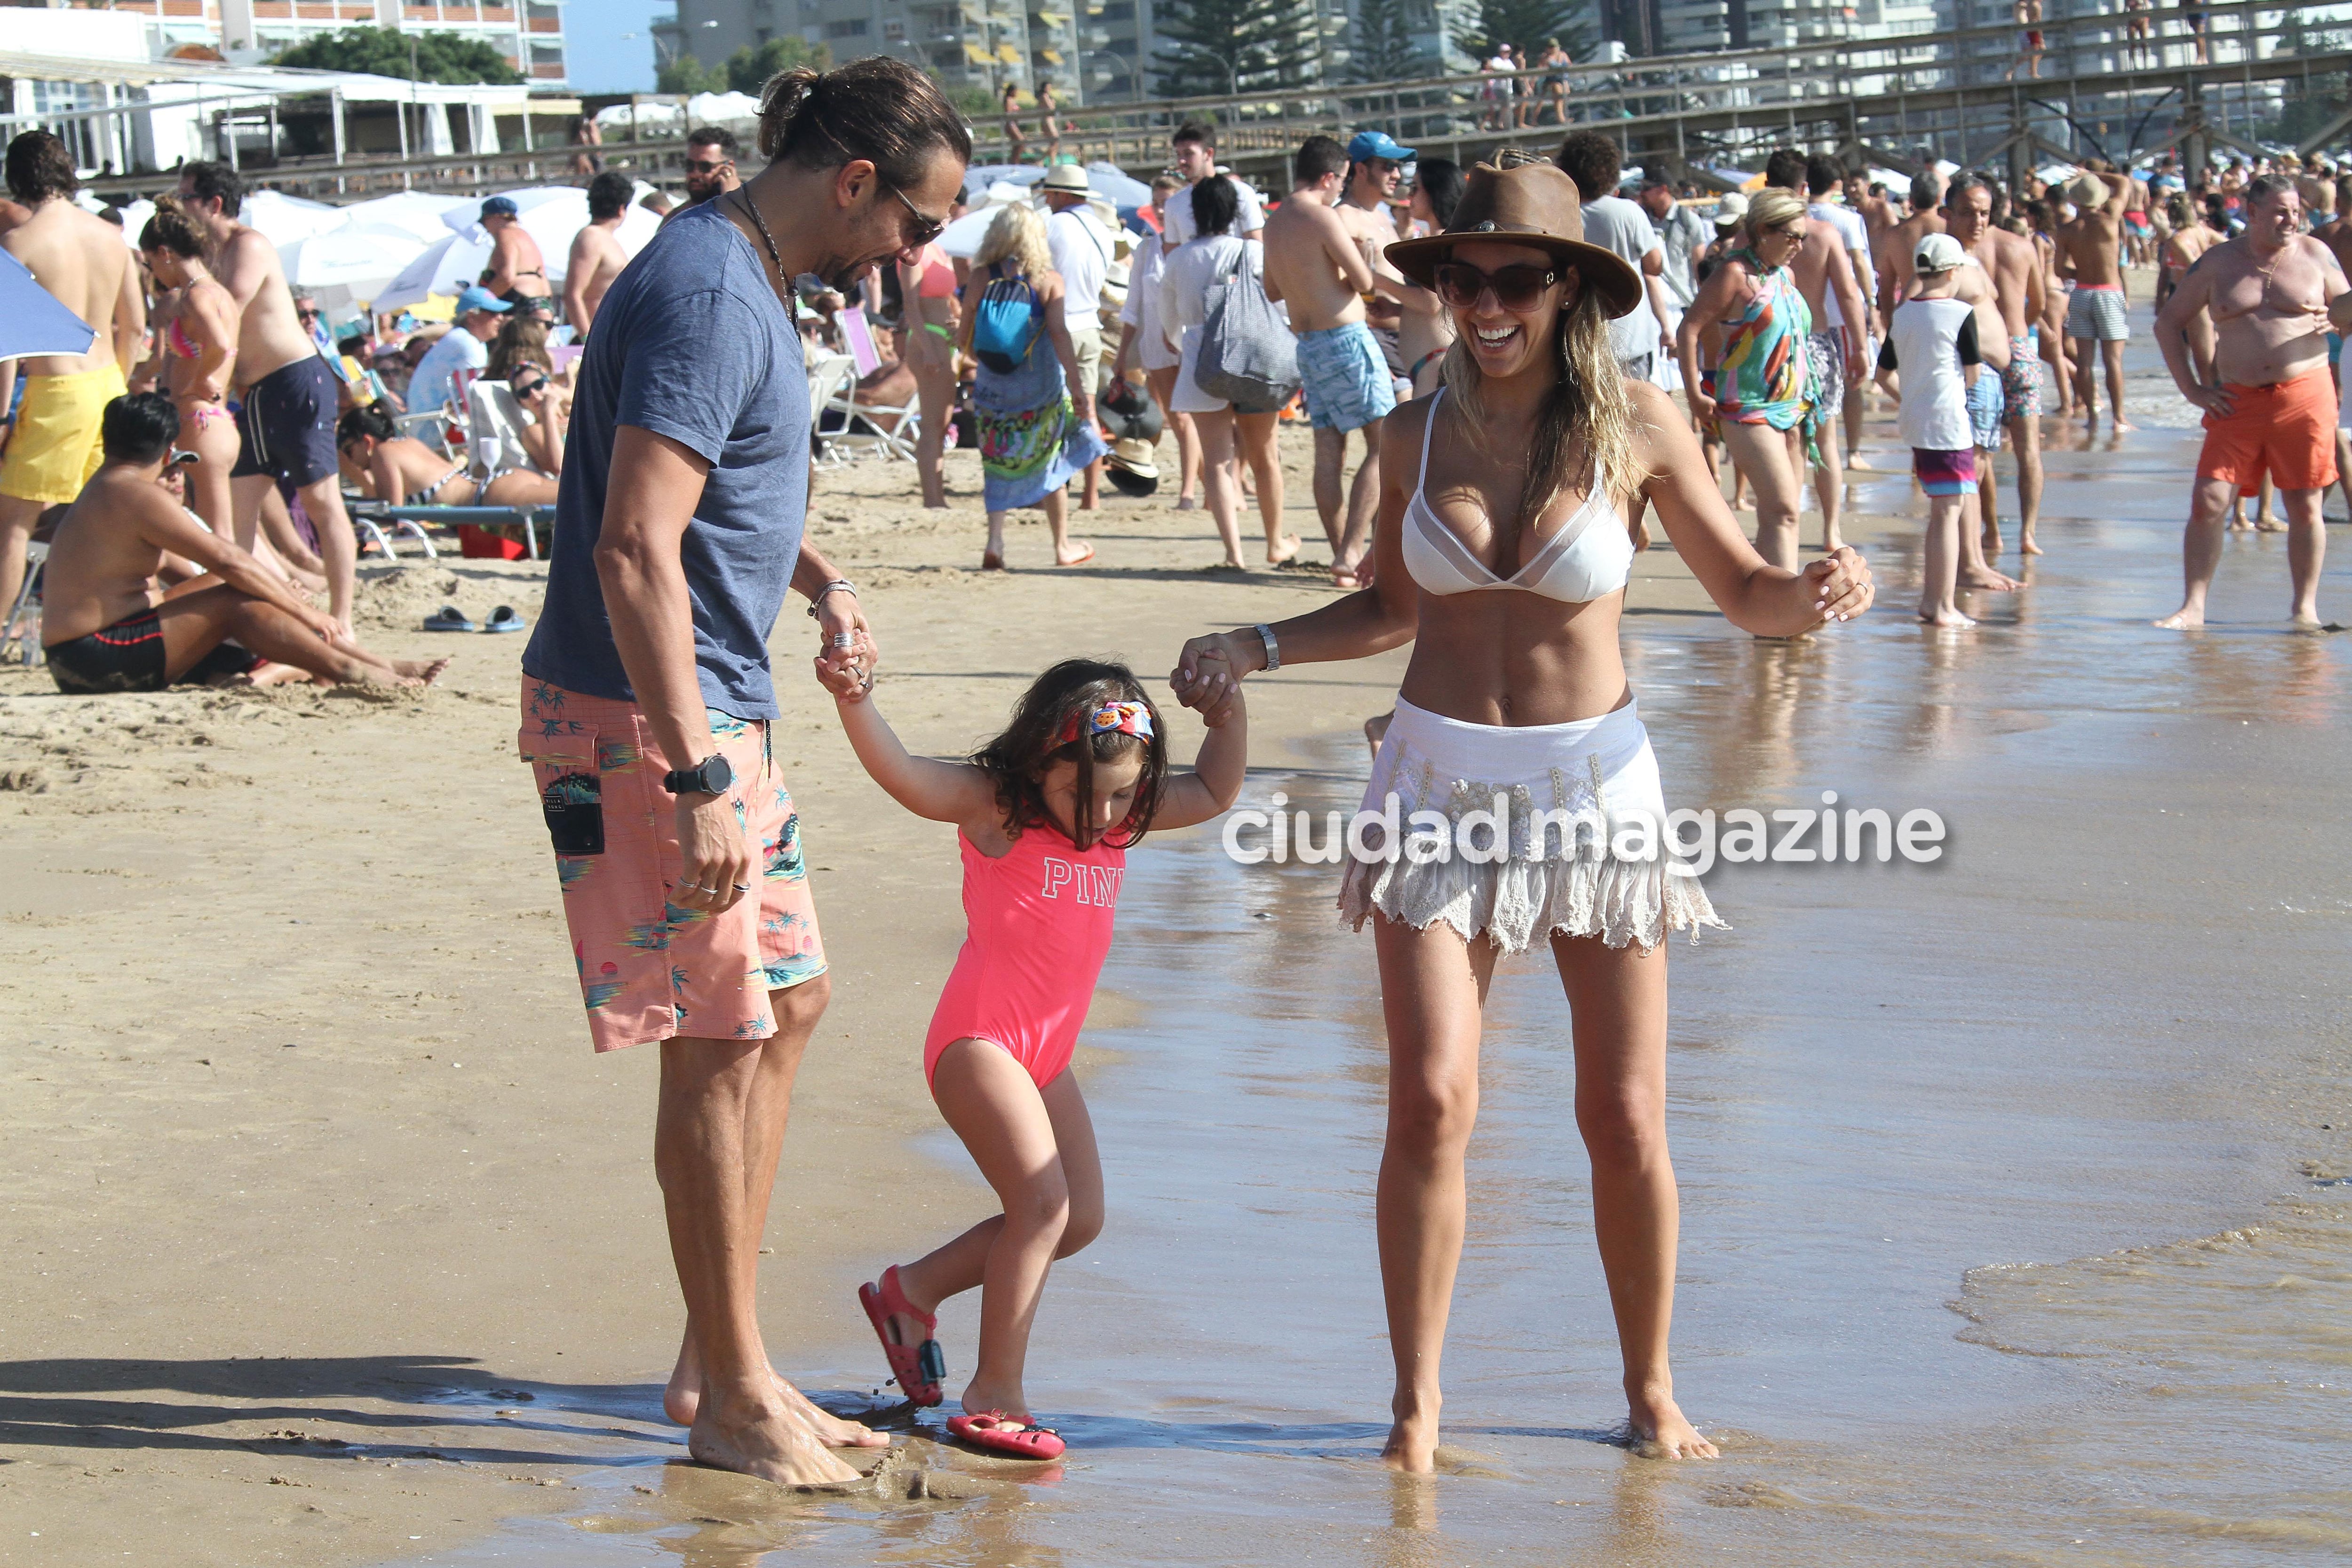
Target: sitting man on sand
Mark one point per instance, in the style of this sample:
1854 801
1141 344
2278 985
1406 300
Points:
106 623
2272 293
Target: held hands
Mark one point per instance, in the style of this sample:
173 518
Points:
1209 671
1838 586
714 856
848 671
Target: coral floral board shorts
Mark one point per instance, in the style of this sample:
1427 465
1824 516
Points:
649 969
2287 430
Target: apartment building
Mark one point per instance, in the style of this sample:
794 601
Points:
529 33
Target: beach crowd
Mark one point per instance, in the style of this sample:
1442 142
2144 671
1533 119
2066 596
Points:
1538 365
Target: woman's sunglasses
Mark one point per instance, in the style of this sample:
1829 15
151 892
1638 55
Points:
1515 287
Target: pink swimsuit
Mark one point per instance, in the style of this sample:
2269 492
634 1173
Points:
1039 926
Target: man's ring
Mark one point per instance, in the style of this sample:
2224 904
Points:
742 886
845 639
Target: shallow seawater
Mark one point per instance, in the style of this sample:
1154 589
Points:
2016 1219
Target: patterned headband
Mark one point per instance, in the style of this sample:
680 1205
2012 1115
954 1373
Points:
1120 717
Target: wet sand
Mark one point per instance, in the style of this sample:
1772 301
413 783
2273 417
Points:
2013 1230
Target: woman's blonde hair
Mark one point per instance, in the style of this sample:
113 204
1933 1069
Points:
1017 234
1771 207
1588 401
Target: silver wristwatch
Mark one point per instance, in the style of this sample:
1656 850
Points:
1273 648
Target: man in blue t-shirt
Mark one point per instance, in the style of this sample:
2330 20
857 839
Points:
646 690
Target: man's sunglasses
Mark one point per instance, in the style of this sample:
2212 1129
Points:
707 165
1518 286
927 228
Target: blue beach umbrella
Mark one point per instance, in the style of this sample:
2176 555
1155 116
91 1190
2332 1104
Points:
32 322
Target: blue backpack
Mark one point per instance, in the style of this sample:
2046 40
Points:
1008 322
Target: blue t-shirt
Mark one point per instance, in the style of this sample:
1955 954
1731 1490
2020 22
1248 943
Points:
692 343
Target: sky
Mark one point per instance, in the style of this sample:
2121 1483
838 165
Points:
602 59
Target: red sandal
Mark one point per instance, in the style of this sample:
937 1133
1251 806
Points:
989 1429
918 1370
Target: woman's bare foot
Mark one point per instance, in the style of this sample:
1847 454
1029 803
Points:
1944 618
1413 1445
1656 1429
2184 619
427 670
759 1437
1188 503
1277 554
1077 553
1985 577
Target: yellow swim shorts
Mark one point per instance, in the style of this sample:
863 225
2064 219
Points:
55 448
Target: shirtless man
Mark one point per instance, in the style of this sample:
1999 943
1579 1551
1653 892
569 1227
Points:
2337 235
2014 271
1834 353
1375 168
1870 201
2270 407
596 255
1321 266
82 261
1895 245
108 625
516 272
2092 242
286 428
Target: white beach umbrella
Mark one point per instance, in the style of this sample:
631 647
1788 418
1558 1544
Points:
363 259
134 218
721 108
445 267
283 219
412 212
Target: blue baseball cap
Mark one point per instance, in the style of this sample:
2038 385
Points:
1375 144
477 298
500 206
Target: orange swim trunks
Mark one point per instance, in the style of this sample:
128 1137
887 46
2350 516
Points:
2287 430
649 970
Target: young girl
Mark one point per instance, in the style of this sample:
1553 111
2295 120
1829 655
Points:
1045 816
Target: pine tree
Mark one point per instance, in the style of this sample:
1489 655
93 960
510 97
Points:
1382 44
1525 23
1212 47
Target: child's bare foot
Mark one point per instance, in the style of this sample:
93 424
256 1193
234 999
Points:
1011 1403
2184 619
1985 577
2025 545
1656 1429
1936 618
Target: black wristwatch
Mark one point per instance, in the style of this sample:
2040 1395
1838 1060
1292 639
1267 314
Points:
711 778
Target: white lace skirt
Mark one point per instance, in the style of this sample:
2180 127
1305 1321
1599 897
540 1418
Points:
1576 842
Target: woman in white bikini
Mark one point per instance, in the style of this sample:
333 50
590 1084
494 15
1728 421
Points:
390 467
1503 556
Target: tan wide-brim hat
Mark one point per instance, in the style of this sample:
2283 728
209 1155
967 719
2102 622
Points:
1535 205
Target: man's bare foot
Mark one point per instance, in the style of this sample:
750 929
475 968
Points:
1991 540
682 1403
1656 1429
2122 425
2184 619
759 1437
426 670
1411 1446
1935 618
1277 555
1376 729
1987 578
2025 545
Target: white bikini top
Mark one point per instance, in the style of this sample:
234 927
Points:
1578 563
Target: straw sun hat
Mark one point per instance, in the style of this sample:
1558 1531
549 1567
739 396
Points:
1530 203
